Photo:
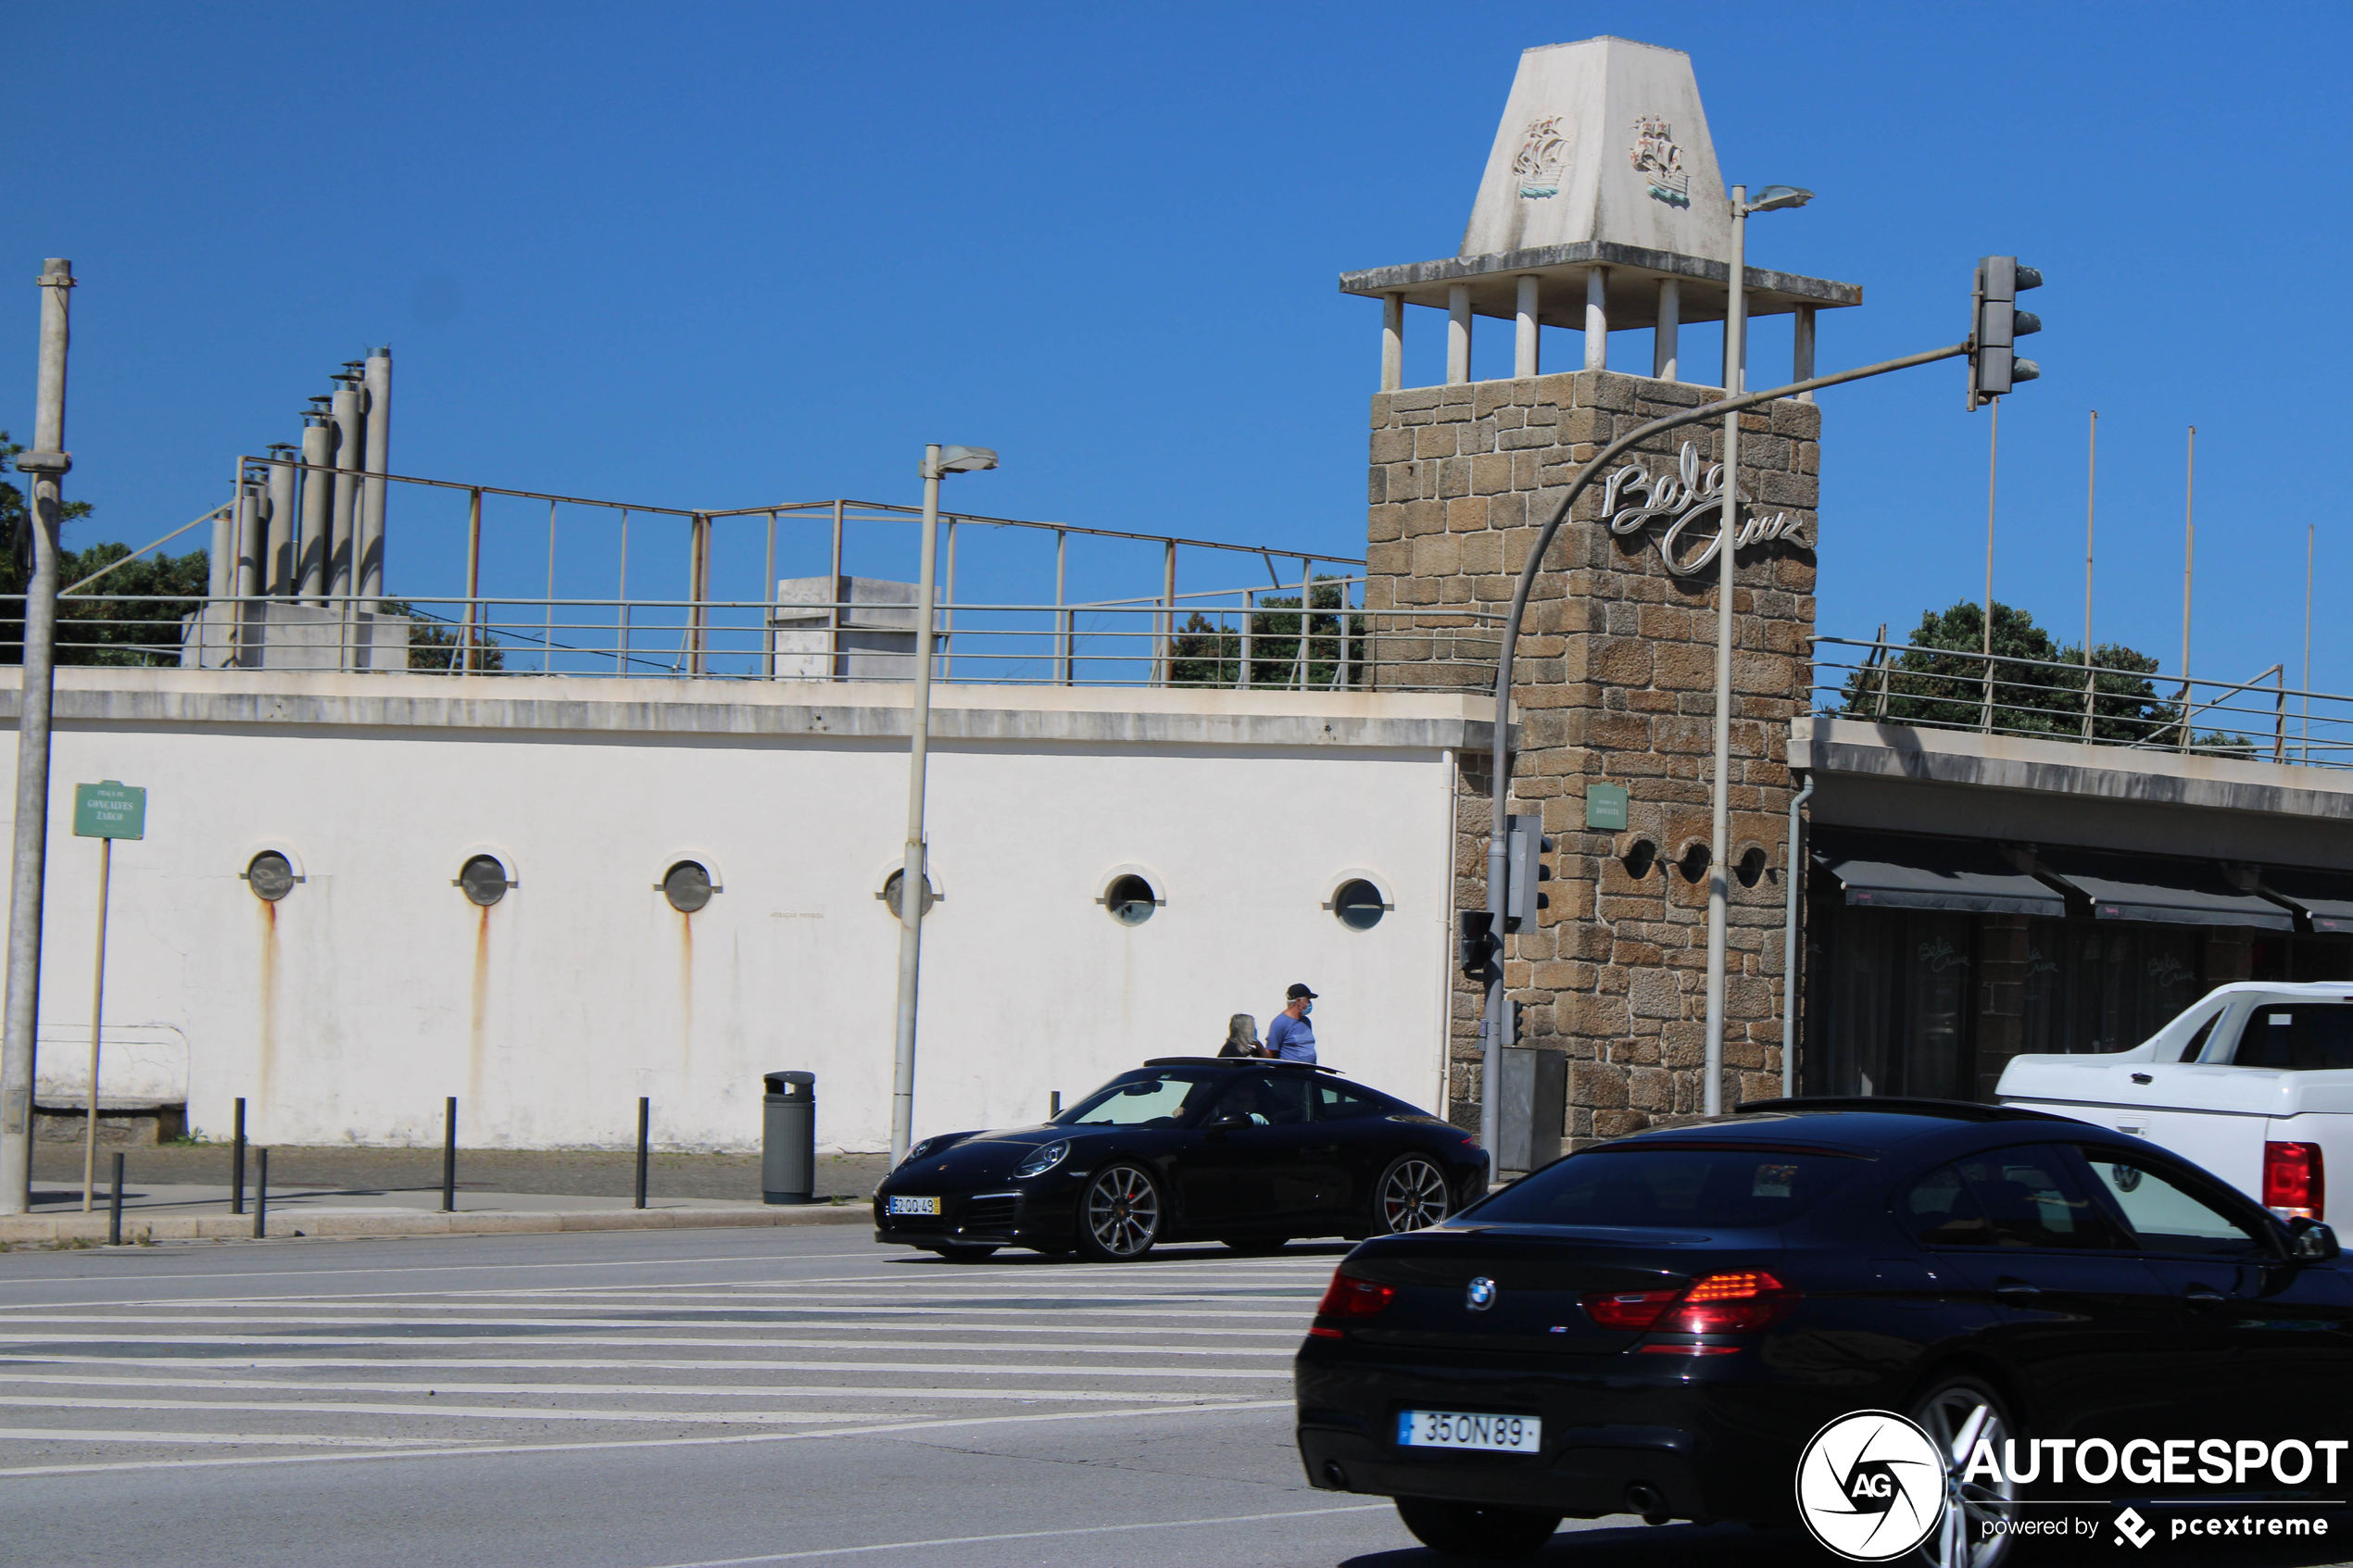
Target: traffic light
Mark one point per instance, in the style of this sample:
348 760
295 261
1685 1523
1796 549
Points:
1478 944
1524 859
1996 325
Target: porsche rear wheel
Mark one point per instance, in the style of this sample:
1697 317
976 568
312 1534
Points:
1410 1195
1119 1214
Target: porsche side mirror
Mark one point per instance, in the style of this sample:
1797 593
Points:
2310 1241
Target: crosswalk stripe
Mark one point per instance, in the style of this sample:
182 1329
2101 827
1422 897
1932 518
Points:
1029 1536
745 1344
951 1368
102 1435
264 1316
667 1391
492 1412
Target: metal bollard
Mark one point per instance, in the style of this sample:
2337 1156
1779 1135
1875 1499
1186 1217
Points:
1055 1103
114 1207
237 1168
261 1193
645 1116
449 1157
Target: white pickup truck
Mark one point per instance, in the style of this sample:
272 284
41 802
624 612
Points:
2254 1082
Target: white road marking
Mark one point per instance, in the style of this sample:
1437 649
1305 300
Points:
1029 1535
482 1449
745 1344
450 1268
499 1412
956 1368
692 1391
663 1318
173 1439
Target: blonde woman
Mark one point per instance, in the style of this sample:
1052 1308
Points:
1241 1037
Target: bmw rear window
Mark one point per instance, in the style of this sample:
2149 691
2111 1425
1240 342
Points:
1669 1188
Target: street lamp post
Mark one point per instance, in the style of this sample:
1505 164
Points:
1719 803
938 462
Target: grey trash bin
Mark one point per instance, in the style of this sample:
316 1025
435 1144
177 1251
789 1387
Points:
788 1138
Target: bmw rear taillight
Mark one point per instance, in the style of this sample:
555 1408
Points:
2295 1185
1742 1302
1350 1296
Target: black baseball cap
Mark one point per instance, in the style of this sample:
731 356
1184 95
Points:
1298 991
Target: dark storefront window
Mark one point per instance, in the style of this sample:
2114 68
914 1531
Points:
1900 1011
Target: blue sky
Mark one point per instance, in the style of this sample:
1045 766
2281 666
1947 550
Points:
722 256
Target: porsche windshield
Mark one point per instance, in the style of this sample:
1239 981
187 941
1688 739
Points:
1145 1099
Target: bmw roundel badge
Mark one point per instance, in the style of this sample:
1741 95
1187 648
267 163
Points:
1481 1294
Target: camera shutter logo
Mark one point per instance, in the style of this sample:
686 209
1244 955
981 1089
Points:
1870 1486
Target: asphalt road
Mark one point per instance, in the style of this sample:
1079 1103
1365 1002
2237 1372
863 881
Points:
661 1399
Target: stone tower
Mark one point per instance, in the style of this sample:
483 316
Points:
1614 682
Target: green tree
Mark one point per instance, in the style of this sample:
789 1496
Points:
118 630
1941 682
1206 653
433 642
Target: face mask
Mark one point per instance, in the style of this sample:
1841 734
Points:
1306 1008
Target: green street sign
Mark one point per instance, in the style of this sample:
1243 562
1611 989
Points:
1606 807
112 809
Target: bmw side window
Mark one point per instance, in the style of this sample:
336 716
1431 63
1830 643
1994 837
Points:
1335 1103
1940 1210
2168 1216
2033 1198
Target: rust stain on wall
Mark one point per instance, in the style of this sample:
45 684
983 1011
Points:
478 1004
266 1065
685 991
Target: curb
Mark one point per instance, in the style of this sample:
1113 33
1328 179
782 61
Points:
295 1222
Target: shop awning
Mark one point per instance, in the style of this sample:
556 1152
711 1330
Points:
2327 897
1897 871
2158 889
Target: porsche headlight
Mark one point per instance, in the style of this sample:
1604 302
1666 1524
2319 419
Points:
1044 1157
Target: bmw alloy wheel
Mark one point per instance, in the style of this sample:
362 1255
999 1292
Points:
1411 1195
1957 1415
1119 1217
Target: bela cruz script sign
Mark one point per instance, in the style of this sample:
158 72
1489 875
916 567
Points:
1685 499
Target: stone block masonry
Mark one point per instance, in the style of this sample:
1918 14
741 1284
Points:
1615 682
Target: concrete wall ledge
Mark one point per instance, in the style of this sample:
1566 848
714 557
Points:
1825 744
580 706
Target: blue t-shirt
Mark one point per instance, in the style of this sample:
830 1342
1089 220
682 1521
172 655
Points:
1293 1039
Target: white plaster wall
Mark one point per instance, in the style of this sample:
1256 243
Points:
350 1010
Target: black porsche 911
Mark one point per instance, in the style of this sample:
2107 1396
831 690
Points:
1659 1324
1246 1151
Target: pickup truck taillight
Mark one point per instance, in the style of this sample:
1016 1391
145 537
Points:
2295 1185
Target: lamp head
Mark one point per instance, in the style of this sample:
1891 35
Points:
1772 198
960 459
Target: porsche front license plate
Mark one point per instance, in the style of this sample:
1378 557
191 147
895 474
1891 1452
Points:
1455 1429
915 1206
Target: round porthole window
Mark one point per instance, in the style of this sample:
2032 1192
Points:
1750 867
484 880
1693 865
1359 905
1130 899
269 876
686 885
890 894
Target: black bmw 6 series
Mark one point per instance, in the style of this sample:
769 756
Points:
1250 1152
1658 1325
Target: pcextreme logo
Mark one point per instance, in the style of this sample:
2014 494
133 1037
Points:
1870 1486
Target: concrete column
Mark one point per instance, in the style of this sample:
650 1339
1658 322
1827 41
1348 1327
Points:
1392 342
348 425
1666 340
1458 333
278 550
1801 366
375 456
1597 320
1523 343
318 452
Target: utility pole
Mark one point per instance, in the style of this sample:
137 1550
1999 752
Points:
1719 821
47 465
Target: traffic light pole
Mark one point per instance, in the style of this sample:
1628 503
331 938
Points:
1490 1109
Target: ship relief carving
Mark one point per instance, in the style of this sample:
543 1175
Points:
1543 153
1660 162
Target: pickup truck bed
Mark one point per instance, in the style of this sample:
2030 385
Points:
2247 1066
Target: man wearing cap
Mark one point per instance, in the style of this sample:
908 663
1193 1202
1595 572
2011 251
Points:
1291 1036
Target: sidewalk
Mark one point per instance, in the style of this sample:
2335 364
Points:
345 1191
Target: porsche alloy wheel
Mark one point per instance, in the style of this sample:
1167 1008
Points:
1411 1195
1119 1215
1957 1414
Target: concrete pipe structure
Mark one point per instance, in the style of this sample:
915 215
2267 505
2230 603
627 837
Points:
318 452
348 424
377 384
278 545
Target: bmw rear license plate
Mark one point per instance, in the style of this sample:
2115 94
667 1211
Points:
915 1206
1457 1429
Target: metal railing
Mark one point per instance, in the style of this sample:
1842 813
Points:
2101 704
1242 639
